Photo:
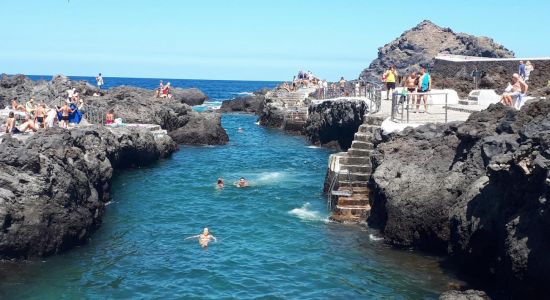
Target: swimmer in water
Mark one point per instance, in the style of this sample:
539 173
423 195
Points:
240 129
220 183
242 183
204 238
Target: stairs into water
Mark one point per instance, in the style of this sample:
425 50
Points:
352 204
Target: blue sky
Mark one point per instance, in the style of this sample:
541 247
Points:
241 39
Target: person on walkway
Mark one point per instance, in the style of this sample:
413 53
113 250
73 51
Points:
411 82
389 78
521 69
99 80
321 90
529 67
325 88
204 238
342 83
424 86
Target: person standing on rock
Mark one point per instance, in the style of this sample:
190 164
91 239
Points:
390 77
325 88
424 86
41 115
528 69
99 80
65 111
321 89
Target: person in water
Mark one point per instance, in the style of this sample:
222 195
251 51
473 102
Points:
220 183
242 183
204 238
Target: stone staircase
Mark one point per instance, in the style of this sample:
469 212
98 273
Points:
352 203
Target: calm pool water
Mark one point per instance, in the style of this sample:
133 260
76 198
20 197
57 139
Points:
274 238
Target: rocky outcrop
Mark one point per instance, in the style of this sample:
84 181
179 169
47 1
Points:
190 96
464 295
132 104
253 104
54 185
421 44
476 191
334 123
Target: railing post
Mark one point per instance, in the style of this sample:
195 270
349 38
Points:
446 108
408 109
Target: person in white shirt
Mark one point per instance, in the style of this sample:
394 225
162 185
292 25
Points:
325 88
99 80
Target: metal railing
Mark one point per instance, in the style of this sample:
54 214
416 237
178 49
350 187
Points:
94 115
332 192
403 105
370 90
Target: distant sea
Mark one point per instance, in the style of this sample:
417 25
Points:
216 90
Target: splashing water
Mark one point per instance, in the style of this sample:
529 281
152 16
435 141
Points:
305 213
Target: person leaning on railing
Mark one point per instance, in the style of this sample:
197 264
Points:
424 87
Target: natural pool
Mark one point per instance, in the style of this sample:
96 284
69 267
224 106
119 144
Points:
274 238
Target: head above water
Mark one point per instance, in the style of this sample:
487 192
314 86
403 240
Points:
205 231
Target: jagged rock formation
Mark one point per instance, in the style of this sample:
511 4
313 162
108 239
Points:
335 122
136 105
252 104
477 191
420 45
54 185
132 104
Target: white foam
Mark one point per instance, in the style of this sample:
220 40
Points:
270 177
375 238
313 147
257 123
245 93
305 213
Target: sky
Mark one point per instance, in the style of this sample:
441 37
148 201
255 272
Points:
241 39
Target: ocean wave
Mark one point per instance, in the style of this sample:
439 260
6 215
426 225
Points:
375 238
305 213
313 147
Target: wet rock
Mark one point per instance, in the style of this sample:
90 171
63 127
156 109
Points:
54 185
464 295
476 191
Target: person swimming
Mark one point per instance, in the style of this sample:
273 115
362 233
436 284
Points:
220 183
241 183
204 238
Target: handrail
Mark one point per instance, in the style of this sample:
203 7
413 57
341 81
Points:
399 106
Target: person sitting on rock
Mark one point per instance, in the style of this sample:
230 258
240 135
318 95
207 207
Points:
30 107
109 117
16 106
286 87
514 93
166 91
26 126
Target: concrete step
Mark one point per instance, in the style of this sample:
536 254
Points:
354 176
363 137
362 145
356 168
365 128
354 183
467 102
347 219
355 160
359 152
345 201
351 210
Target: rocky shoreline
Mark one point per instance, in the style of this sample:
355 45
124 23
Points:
55 184
475 191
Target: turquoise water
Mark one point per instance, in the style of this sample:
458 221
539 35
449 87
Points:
274 238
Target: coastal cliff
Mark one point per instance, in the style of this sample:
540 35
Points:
420 45
251 104
476 191
55 184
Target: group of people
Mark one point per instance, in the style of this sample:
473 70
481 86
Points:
163 91
240 184
417 84
525 69
40 116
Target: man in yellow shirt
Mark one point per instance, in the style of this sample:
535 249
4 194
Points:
389 78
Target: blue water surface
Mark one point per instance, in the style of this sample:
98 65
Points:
274 241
